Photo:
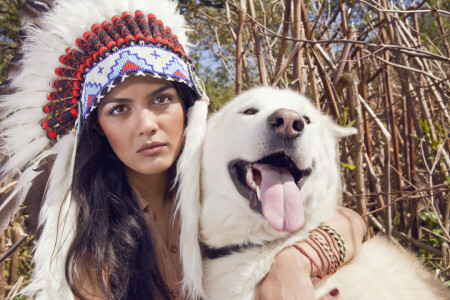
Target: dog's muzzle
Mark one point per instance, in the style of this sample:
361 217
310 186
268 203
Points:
271 185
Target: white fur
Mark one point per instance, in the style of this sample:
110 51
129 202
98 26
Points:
26 143
232 135
383 270
188 194
226 218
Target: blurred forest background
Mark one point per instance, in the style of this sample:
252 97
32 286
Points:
381 66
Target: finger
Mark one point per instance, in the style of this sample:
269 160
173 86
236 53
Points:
332 295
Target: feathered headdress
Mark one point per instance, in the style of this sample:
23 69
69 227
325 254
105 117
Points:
72 53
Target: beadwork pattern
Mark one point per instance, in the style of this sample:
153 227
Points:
125 44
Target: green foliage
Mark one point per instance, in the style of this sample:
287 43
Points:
218 88
434 143
447 180
9 29
430 29
344 120
348 166
430 221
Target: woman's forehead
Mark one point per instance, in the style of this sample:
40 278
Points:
146 80
134 84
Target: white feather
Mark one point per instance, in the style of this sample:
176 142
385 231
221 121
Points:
57 216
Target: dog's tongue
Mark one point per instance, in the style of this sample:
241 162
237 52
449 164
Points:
280 198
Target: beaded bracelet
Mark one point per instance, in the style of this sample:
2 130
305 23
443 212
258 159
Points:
338 238
334 245
322 250
322 244
310 259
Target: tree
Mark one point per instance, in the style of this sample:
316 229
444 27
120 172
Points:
9 30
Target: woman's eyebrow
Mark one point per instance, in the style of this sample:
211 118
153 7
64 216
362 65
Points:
160 90
115 100
126 100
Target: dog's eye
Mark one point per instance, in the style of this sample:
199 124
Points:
307 120
250 111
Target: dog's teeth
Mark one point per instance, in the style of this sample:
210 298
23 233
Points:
249 178
258 192
249 174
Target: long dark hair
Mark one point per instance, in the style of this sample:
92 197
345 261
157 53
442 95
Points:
111 244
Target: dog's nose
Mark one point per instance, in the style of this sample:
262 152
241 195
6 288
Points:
286 123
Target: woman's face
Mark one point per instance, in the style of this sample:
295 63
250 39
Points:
143 121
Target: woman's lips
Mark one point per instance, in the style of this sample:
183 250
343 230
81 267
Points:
151 148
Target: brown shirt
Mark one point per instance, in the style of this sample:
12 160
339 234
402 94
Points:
167 256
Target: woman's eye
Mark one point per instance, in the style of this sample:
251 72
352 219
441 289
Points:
117 110
307 120
250 111
163 99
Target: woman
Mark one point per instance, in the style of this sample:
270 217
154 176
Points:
118 120
128 147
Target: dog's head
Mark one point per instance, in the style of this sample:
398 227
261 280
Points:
269 164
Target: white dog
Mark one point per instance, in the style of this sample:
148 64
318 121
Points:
269 175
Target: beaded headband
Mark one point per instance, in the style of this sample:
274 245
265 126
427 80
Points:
113 51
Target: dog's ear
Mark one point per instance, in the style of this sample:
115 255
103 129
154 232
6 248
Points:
337 130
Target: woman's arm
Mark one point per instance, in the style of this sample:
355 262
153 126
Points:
290 275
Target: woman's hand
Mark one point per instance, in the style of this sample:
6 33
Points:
290 275
289 278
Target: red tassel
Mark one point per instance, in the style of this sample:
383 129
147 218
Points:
74 64
69 73
142 23
133 28
111 31
87 49
77 55
52 134
154 29
68 114
176 45
63 127
168 44
104 37
60 105
64 94
67 84
123 30
96 44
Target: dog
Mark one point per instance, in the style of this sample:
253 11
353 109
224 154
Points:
270 174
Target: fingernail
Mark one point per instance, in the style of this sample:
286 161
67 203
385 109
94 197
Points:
334 292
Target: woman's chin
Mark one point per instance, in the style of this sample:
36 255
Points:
147 167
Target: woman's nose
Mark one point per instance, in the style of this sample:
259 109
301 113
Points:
147 123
